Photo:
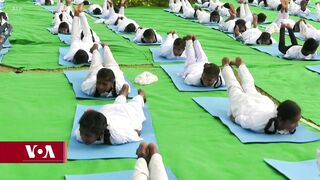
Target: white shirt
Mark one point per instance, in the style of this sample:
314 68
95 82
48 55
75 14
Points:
295 53
204 17
113 16
308 31
122 24
166 48
229 25
65 18
93 7
250 36
273 4
139 35
175 7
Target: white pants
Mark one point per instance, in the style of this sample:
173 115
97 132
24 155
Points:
155 171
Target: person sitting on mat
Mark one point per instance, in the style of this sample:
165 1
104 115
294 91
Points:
103 80
252 110
308 31
82 38
187 10
173 47
149 164
113 16
299 10
206 18
253 35
147 35
117 123
95 9
175 6
295 51
63 17
198 71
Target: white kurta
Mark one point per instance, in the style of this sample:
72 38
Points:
166 48
139 35
65 18
229 25
204 17
79 24
187 9
123 118
175 7
122 24
308 31
89 85
113 16
250 109
273 4
283 18
295 9
295 53
250 36
194 64
93 7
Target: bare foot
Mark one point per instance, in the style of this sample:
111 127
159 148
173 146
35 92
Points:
238 61
143 94
125 90
152 150
225 61
142 151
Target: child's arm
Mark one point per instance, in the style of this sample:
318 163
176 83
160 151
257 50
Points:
200 55
190 52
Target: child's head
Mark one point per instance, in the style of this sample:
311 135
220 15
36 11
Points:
92 126
81 57
303 5
85 2
310 46
178 46
63 28
265 38
226 5
105 80
279 7
210 74
47 2
214 16
3 15
149 36
241 24
250 1
261 18
130 28
96 11
289 114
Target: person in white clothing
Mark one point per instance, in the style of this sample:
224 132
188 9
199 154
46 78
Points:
149 164
147 35
232 22
173 47
63 17
308 31
272 4
82 38
248 16
45 2
299 10
254 111
113 16
95 9
205 17
295 51
187 9
318 11
175 6
113 124
198 71
103 80
126 25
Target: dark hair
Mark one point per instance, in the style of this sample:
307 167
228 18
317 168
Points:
238 10
80 57
47 2
93 121
279 7
261 17
211 70
180 43
63 26
85 2
96 11
3 15
130 28
286 111
226 5
116 9
107 75
310 45
250 1
265 36
148 36
240 23
214 13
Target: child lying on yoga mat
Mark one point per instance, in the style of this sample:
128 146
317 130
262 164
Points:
308 31
103 80
187 10
222 8
205 17
248 16
62 22
252 110
175 6
5 28
147 35
198 71
82 38
95 9
113 16
295 51
253 35
149 164
272 4
117 123
299 10
173 46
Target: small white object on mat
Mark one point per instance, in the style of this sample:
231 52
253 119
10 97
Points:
146 78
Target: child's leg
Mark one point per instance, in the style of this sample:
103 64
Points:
121 10
121 99
247 80
96 60
248 13
190 54
108 57
156 167
234 87
138 100
75 33
200 55
56 19
141 171
85 28
188 4
242 11
292 37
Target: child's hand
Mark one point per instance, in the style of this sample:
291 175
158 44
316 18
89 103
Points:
94 47
188 37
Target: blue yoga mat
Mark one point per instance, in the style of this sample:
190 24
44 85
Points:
2 5
77 150
131 38
3 52
273 51
77 77
50 29
315 68
218 107
51 9
65 38
94 15
157 58
174 70
303 170
7 44
114 28
118 175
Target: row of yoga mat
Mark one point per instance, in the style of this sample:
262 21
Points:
217 107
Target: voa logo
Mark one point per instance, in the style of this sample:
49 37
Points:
34 151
